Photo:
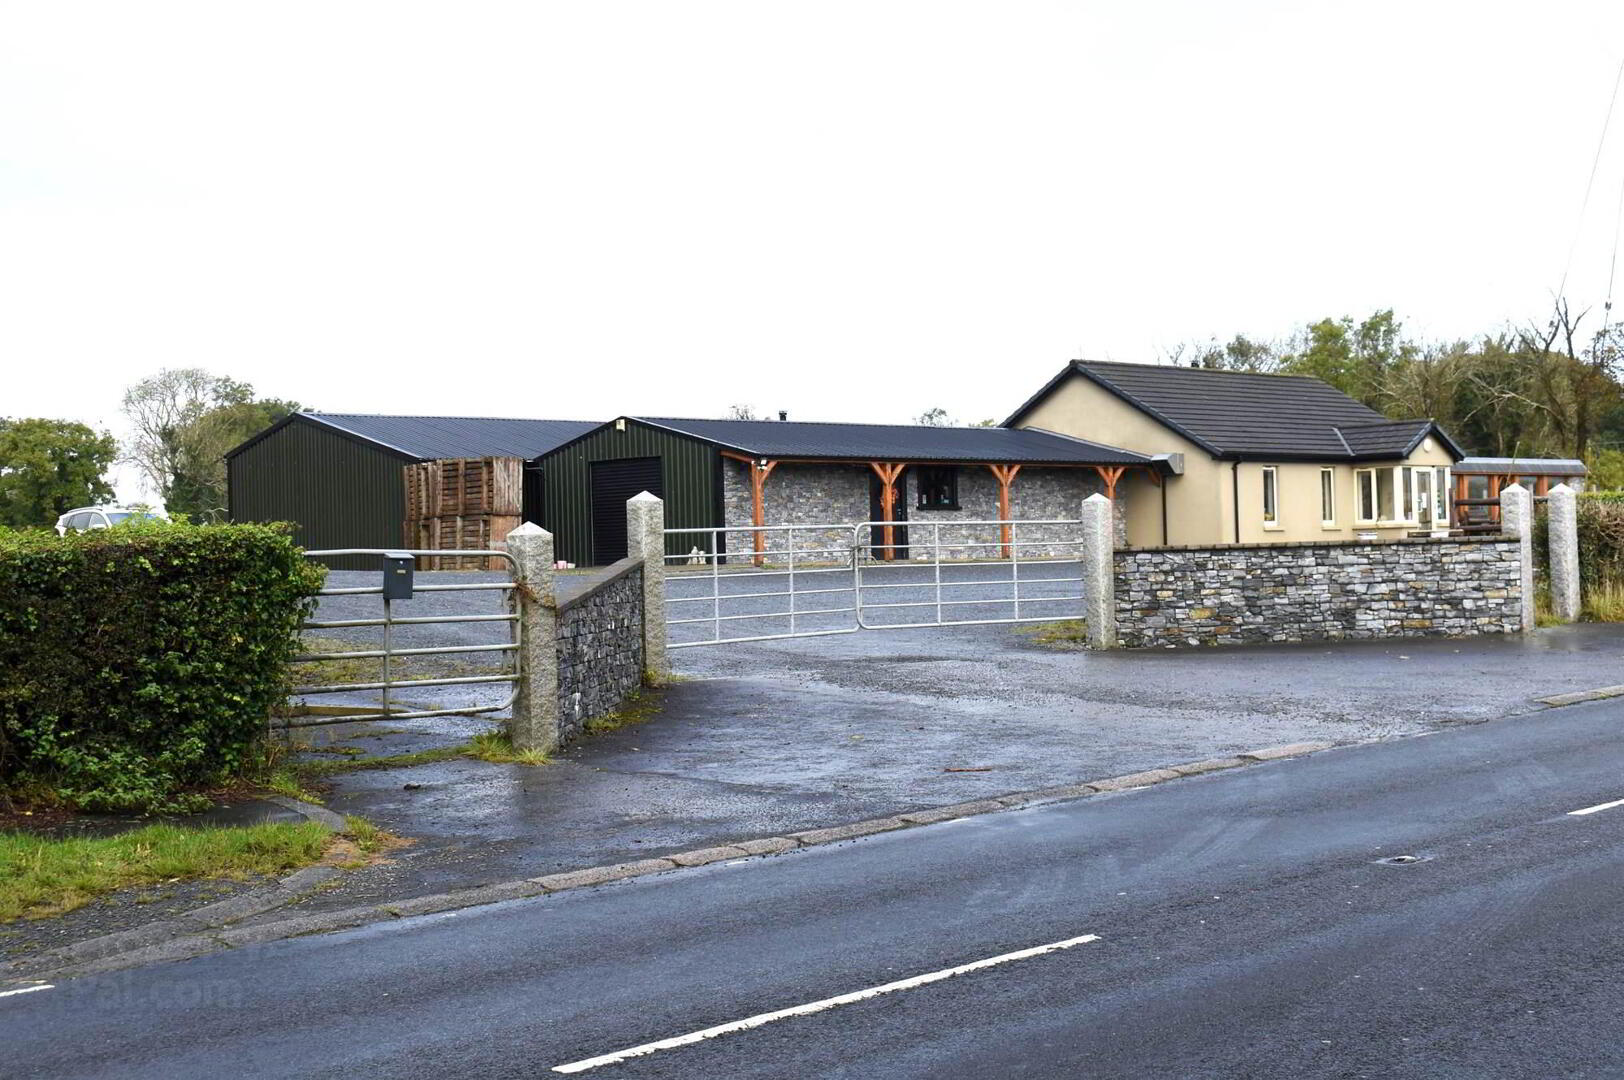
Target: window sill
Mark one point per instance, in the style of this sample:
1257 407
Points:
1273 528
1330 526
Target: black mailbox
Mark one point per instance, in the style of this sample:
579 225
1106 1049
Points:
397 576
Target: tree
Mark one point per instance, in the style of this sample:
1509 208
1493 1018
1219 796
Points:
184 421
742 412
934 418
1240 354
48 467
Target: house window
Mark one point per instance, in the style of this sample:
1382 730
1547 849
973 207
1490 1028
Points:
1271 497
1328 498
1365 483
1440 492
1388 493
938 487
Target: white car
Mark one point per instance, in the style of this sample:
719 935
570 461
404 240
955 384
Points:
100 517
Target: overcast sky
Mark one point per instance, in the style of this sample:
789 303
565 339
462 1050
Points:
848 210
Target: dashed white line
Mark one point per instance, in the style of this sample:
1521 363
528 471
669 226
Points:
27 990
817 1006
1593 809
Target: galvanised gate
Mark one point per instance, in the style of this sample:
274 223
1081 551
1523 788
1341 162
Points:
810 580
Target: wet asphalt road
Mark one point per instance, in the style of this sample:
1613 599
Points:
1245 928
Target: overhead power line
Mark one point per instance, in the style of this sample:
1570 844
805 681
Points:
1578 226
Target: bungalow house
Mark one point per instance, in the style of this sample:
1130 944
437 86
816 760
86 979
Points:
1266 458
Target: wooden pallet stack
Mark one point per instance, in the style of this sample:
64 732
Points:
463 503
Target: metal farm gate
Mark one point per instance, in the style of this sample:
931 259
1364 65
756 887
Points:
408 629
811 580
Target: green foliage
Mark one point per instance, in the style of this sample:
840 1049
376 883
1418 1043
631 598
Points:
48 467
184 421
1601 541
1606 471
1356 359
1548 391
40 876
142 660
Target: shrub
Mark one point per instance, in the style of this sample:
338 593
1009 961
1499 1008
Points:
1601 540
139 661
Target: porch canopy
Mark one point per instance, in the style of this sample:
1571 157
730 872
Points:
888 449
1499 473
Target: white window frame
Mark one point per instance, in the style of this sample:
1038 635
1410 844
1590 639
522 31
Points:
1359 517
1327 496
1271 486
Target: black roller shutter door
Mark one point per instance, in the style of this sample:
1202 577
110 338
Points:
613 482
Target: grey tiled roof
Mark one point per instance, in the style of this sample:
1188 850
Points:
898 442
1528 466
1240 414
429 437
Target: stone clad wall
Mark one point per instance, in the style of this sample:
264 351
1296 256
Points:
600 645
839 493
1317 591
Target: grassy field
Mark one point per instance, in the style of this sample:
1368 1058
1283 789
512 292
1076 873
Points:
40 877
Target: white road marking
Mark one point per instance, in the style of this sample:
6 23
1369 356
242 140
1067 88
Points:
1593 809
26 990
817 1006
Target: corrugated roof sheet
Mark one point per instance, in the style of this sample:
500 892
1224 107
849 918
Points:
1511 466
1240 414
898 442
430 437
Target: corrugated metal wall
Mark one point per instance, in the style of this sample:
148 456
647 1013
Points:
691 470
337 492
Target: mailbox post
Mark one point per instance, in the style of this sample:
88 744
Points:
397 585
397 575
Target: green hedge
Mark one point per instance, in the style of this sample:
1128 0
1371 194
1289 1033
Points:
1601 538
140 661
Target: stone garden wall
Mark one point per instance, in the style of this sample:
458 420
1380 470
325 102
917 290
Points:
1230 594
599 638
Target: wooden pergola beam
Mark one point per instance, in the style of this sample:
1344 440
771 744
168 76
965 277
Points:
759 471
888 473
1110 474
1004 475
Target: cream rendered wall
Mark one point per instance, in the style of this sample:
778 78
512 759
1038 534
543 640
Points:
1196 502
1299 487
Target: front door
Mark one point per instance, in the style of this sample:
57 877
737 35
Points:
1423 497
876 512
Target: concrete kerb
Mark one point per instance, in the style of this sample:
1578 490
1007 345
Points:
184 937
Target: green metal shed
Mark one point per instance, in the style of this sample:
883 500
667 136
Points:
339 477
586 482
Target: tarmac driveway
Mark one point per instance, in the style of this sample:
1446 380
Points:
773 736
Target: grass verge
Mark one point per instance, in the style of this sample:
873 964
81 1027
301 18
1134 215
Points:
1062 634
1605 603
497 747
40 877
638 708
